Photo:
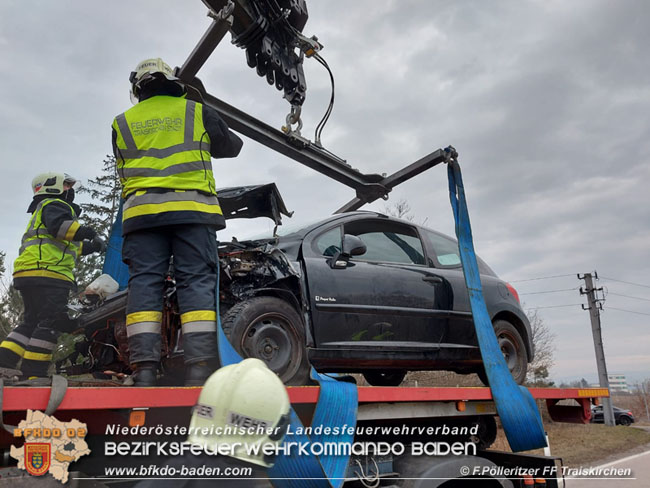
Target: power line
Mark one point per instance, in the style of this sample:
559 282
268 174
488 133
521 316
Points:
626 296
549 291
543 278
556 306
626 282
628 311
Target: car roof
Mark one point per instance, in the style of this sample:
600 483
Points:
308 227
294 238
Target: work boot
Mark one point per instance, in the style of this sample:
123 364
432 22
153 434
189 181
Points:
145 374
197 373
10 374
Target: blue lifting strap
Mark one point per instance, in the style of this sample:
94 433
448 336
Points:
113 264
515 405
336 407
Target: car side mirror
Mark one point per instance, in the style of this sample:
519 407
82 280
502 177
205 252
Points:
353 246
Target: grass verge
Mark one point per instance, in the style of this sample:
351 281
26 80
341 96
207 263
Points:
585 444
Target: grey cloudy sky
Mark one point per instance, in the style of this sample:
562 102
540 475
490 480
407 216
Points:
548 103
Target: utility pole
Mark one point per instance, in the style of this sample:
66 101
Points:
595 306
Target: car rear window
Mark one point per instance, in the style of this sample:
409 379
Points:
445 249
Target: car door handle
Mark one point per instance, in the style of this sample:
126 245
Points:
432 279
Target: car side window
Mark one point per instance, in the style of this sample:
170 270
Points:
445 249
329 243
387 242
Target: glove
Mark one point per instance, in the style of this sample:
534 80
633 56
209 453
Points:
85 233
98 245
70 326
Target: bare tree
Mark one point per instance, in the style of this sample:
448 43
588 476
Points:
642 393
400 209
544 343
637 400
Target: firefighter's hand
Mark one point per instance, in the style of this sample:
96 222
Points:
98 245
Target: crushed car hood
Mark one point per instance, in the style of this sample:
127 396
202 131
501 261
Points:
249 202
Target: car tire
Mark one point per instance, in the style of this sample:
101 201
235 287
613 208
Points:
380 378
624 421
513 349
270 329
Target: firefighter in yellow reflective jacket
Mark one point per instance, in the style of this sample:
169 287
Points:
163 147
43 273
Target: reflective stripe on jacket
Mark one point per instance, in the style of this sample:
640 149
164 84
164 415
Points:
44 255
163 159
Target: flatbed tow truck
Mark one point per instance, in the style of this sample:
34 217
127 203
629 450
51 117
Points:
388 416
397 416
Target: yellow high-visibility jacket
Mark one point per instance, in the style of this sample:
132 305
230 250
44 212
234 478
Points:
49 253
163 153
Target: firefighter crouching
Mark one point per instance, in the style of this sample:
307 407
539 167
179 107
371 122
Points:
43 273
163 147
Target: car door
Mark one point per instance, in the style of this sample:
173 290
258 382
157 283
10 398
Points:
387 295
445 257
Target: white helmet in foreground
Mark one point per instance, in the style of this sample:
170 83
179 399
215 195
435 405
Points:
242 405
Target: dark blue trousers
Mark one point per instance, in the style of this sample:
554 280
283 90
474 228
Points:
193 248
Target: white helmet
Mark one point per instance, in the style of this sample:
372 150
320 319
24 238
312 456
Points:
51 183
146 71
243 404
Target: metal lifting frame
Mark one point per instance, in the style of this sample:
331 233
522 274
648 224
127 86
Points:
368 187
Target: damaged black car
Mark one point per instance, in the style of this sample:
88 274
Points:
357 292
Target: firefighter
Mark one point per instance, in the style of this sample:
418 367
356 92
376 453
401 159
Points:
241 406
43 273
163 147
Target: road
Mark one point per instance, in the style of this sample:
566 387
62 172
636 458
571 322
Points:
638 463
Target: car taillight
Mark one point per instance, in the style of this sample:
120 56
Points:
512 290
630 414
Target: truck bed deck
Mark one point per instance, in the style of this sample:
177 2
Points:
374 402
19 398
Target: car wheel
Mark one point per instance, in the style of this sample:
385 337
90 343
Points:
623 420
379 378
270 329
513 349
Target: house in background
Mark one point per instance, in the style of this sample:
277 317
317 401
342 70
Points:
617 383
